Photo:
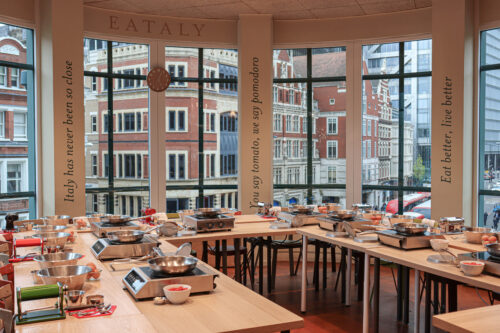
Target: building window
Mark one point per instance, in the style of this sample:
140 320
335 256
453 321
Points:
95 203
93 123
14 77
2 124
94 83
295 124
332 101
129 165
14 177
331 147
277 124
176 121
176 166
277 148
20 125
94 165
277 175
3 76
177 71
332 175
332 126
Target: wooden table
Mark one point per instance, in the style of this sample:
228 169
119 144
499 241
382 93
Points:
459 242
483 319
240 230
252 218
320 234
417 259
231 307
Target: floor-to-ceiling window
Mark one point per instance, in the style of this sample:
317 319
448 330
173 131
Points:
17 123
116 127
201 139
396 128
309 125
489 129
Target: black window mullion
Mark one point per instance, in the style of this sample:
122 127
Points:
309 127
111 205
201 158
401 124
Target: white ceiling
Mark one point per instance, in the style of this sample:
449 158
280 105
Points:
280 9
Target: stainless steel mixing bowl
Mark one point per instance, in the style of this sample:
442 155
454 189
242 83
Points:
50 228
73 276
57 219
53 239
57 259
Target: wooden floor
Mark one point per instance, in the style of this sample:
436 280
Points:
327 314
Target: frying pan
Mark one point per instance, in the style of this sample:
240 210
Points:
120 219
208 212
172 264
302 209
493 250
343 214
409 228
128 236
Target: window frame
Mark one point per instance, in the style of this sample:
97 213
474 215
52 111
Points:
484 68
310 120
401 75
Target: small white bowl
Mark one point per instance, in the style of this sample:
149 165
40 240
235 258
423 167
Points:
471 267
177 297
439 244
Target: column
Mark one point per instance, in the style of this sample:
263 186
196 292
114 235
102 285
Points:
452 91
62 158
255 183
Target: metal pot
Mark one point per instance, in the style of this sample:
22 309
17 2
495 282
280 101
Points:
128 236
173 264
57 259
410 228
473 235
73 276
493 250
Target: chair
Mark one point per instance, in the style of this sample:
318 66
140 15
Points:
291 244
287 244
230 252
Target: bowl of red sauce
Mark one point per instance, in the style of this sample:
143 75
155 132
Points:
177 293
471 267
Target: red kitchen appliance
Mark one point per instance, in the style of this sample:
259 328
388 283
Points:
29 242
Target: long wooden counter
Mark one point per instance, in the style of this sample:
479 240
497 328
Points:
231 307
240 230
483 319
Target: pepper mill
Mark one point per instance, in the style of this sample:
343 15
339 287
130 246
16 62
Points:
9 221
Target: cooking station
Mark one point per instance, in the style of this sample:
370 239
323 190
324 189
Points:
208 220
406 241
104 248
100 229
142 282
299 218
